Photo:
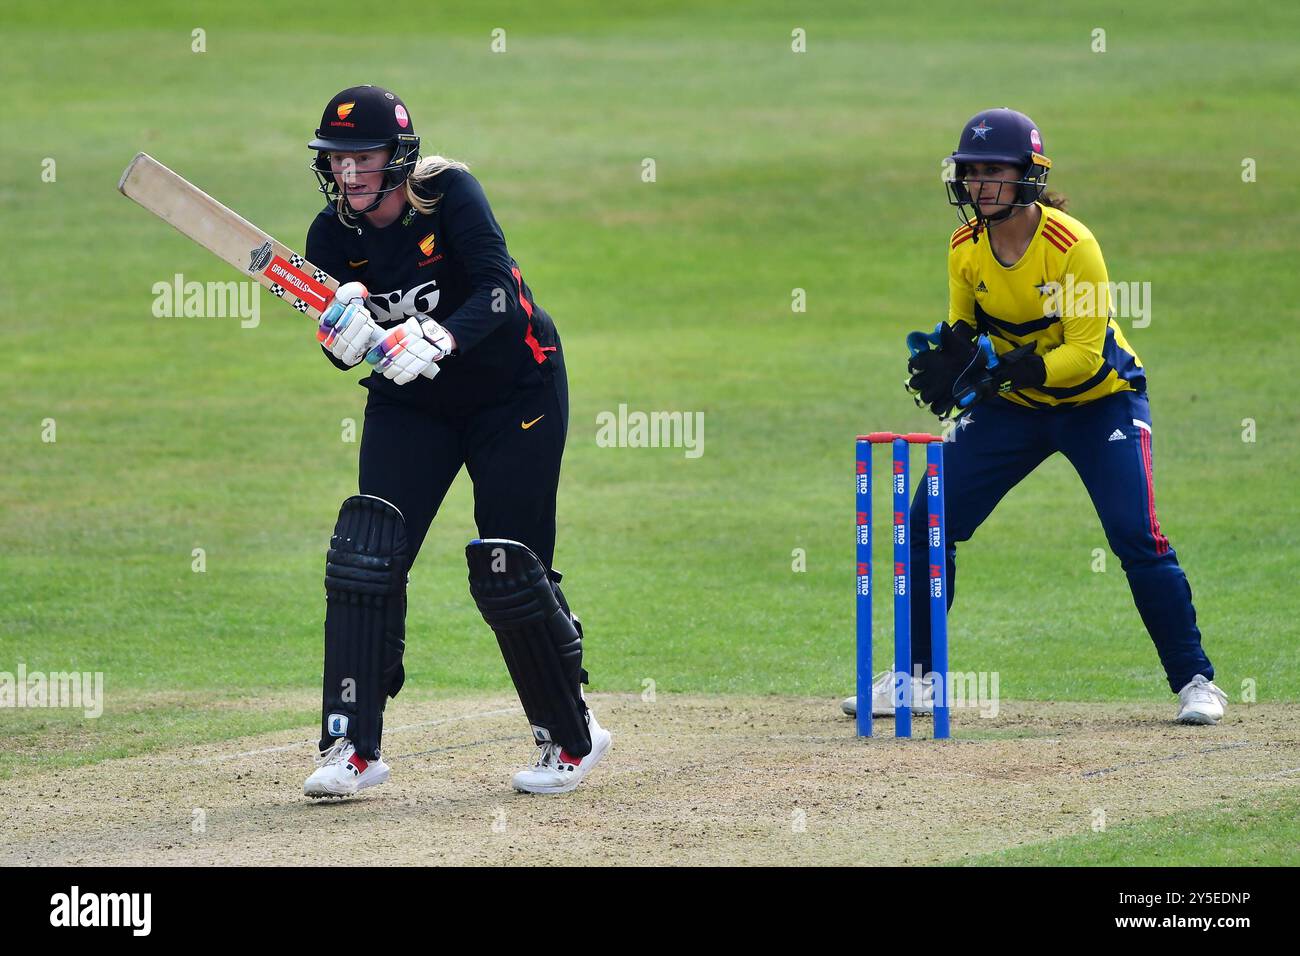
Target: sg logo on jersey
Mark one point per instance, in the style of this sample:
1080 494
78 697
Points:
395 306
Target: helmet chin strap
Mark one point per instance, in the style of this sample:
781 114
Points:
346 210
982 222
1002 216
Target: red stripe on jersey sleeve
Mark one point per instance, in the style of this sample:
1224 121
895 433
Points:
1053 240
530 339
519 282
1068 234
1050 230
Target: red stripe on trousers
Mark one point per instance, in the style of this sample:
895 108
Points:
1162 543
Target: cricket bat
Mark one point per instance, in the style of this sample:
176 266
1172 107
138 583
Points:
231 237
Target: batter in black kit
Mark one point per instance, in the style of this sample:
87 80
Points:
467 370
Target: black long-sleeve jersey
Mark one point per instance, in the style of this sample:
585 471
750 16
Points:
451 265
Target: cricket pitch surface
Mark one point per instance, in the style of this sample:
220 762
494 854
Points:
689 780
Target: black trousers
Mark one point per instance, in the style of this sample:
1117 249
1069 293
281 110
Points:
512 450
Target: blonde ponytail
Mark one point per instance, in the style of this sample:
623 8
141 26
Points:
417 193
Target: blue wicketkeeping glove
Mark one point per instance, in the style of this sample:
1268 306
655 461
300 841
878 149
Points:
990 373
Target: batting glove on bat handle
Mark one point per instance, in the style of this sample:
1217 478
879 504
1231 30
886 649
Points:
346 328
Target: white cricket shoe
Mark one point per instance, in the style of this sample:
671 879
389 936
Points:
882 697
555 771
341 772
1201 702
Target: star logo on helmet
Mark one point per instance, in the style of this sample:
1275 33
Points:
982 131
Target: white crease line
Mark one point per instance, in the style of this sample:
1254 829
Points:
253 753
387 730
1217 748
447 720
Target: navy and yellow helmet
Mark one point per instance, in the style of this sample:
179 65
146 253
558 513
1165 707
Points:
998 136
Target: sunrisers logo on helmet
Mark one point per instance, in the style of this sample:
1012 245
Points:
999 136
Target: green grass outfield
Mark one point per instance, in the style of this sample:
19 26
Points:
1262 831
775 171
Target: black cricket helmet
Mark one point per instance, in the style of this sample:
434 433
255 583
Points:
998 136
363 118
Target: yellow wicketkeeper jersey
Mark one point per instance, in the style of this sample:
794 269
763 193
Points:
1058 297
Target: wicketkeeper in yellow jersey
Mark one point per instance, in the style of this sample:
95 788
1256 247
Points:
1032 363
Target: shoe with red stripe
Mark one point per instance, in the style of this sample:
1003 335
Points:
557 771
341 772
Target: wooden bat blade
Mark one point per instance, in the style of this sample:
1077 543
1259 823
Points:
227 235
233 238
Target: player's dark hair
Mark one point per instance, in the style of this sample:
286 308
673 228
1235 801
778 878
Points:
1055 200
